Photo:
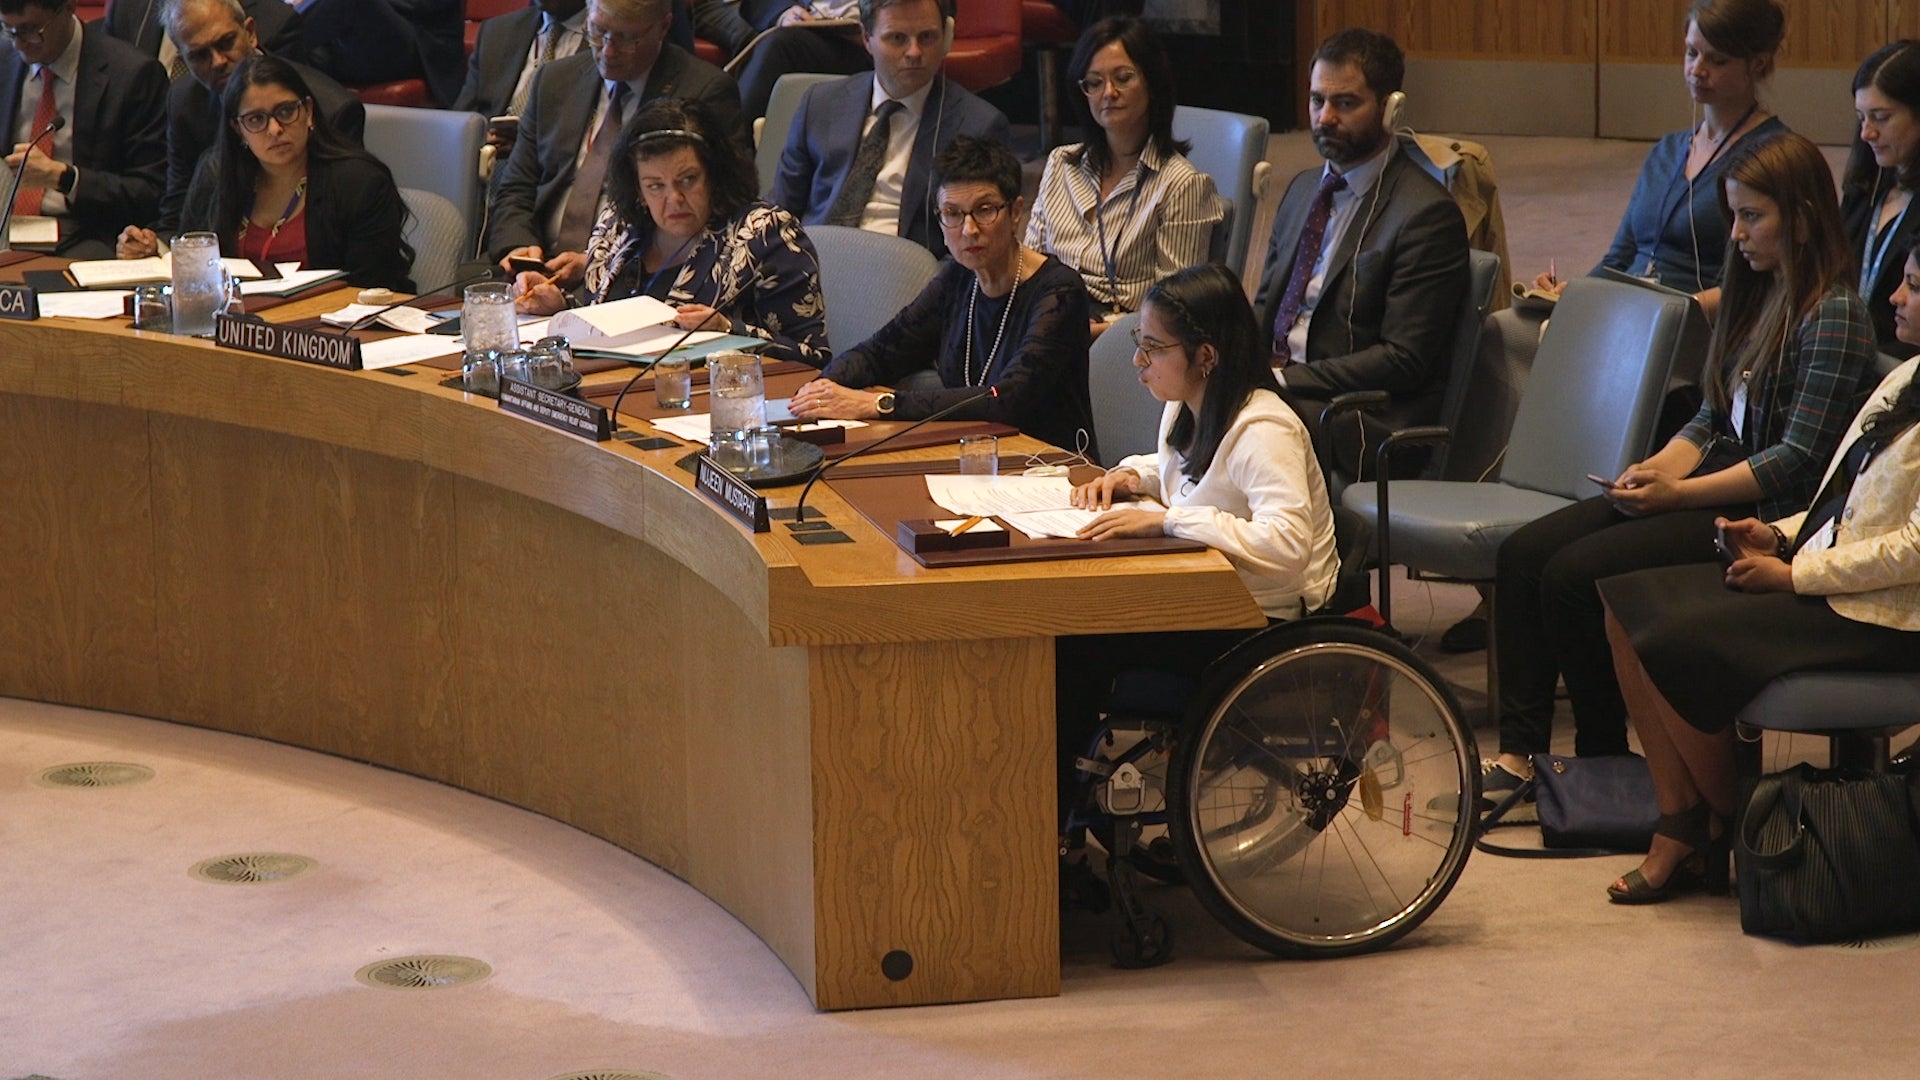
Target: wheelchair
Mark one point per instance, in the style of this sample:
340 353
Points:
1315 788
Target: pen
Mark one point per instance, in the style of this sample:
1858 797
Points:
965 525
1553 273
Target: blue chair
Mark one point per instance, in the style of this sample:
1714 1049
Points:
435 150
437 230
1859 712
770 131
1232 148
866 279
1125 415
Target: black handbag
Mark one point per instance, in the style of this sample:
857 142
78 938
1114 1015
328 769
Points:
1588 806
1829 855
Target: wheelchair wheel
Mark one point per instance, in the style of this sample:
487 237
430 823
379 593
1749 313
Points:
1322 798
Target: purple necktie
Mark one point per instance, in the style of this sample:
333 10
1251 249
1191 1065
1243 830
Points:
1305 256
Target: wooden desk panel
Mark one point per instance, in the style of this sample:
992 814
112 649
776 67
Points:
851 753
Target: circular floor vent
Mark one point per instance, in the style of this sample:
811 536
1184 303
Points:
256 868
1890 943
423 972
611 1074
94 774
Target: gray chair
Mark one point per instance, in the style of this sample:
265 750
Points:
1591 406
1485 271
1859 712
770 131
1232 148
438 232
866 279
1125 415
435 150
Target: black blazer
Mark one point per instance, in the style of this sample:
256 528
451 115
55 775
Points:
1856 209
539 172
275 22
1390 301
825 138
354 220
193 126
119 134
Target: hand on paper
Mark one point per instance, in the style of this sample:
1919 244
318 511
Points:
536 294
701 317
1098 494
1120 524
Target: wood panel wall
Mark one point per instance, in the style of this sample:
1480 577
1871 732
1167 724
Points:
1820 33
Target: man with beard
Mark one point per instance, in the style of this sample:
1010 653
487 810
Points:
1367 268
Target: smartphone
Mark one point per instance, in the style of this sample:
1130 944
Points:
520 264
1723 547
504 124
1602 481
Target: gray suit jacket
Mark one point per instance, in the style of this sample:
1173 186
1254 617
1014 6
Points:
119 127
1390 300
539 172
826 135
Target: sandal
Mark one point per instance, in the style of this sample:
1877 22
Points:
1704 869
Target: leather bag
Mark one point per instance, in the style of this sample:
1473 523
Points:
1588 806
1830 855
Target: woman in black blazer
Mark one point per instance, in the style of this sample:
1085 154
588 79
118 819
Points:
281 185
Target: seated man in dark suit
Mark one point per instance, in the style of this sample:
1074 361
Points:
137 22
360 42
108 164
507 52
838 170
213 37
545 203
1368 264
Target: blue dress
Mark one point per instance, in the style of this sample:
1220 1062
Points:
1673 231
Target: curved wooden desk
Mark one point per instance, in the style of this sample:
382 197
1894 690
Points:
852 754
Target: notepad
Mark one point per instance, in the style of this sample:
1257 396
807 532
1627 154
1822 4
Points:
126 273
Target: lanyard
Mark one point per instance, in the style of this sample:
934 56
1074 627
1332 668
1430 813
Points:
1879 239
1110 255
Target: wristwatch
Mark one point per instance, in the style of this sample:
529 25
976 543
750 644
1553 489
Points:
883 404
68 177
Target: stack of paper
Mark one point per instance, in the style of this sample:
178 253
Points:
125 273
615 324
1036 505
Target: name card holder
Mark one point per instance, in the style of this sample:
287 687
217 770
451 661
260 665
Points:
19 302
559 411
340 351
732 494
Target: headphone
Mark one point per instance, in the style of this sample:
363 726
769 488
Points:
1391 112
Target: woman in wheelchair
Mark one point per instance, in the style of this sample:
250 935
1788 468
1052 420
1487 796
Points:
1835 586
1235 471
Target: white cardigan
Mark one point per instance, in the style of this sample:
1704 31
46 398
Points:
1262 504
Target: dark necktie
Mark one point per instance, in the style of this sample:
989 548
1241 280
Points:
1305 256
851 204
583 204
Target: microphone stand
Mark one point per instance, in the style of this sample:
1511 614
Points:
800 505
6 209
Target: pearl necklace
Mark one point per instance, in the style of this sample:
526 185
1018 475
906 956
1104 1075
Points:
966 370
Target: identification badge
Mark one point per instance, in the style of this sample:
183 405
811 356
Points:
1821 540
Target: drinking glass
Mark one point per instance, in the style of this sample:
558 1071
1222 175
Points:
738 390
199 283
980 455
673 382
152 308
487 319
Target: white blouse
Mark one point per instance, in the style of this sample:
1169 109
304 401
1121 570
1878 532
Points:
1262 504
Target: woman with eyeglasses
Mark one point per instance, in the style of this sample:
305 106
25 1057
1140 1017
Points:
682 224
280 186
1125 208
1235 470
997 316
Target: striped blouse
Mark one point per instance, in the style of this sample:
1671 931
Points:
1157 220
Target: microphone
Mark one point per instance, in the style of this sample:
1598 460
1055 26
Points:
6 211
372 317
800 505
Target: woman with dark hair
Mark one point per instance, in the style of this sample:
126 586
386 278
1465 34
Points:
1786 365
998 314
1834 587
1673 231
1235 471
682 224
281 185
1882 172
1125 208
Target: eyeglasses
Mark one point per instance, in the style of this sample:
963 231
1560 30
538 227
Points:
284 114
1095 85
32 35
983 215
1147 346
608 39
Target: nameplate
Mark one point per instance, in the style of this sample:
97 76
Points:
569 414
19 302
287 342
734 497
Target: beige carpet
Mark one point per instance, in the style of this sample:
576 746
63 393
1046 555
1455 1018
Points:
114 963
